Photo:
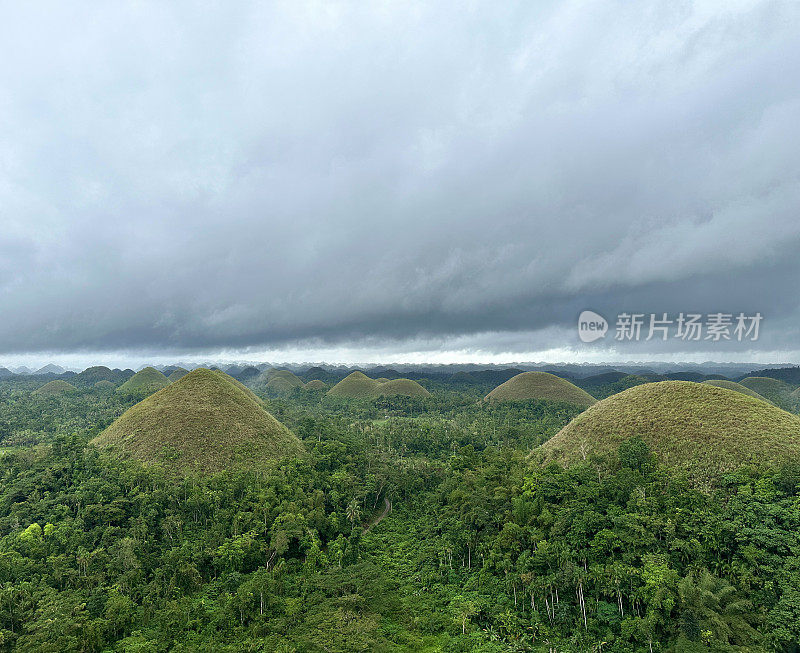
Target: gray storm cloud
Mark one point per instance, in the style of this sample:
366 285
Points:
251 175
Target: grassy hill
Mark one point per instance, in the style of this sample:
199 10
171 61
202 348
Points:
204 422
248 373
92 375
316 384
359 386
144 382
55 388
229 379
176 374
540 385
281 382
355 386
402 387
320 374
762 384
104 386
695 427
736 387
777 391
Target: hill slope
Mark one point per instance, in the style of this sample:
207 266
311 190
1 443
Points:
359 386
540 385
691 426
402 387
177 373
778 392
55 388
144 382
355 386
736 387
204 422
92 375
281 382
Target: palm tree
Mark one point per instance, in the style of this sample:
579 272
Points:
353 512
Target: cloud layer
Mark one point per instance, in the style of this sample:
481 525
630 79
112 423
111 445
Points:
258 175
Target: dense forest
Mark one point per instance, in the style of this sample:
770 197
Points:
413 524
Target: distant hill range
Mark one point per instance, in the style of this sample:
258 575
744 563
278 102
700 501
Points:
785 374
50 369
585 376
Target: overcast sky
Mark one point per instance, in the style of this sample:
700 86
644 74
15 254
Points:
394 180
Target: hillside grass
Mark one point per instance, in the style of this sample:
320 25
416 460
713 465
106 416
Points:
540 385
203 423
277 382
402 387
698 428
356 385
736 387
282 383
92 375
176 374
359 386
95 373
55 388
765 383
777 391
144 382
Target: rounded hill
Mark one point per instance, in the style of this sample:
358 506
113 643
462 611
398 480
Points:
540 385
177 373
699 428
203 423
736 387
57 388
92 375
144 382
359 386
316 384
761 384
355 386
248 373
104 386
777 391
281 382
402 387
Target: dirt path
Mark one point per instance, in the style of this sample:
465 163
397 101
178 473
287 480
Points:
380 517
